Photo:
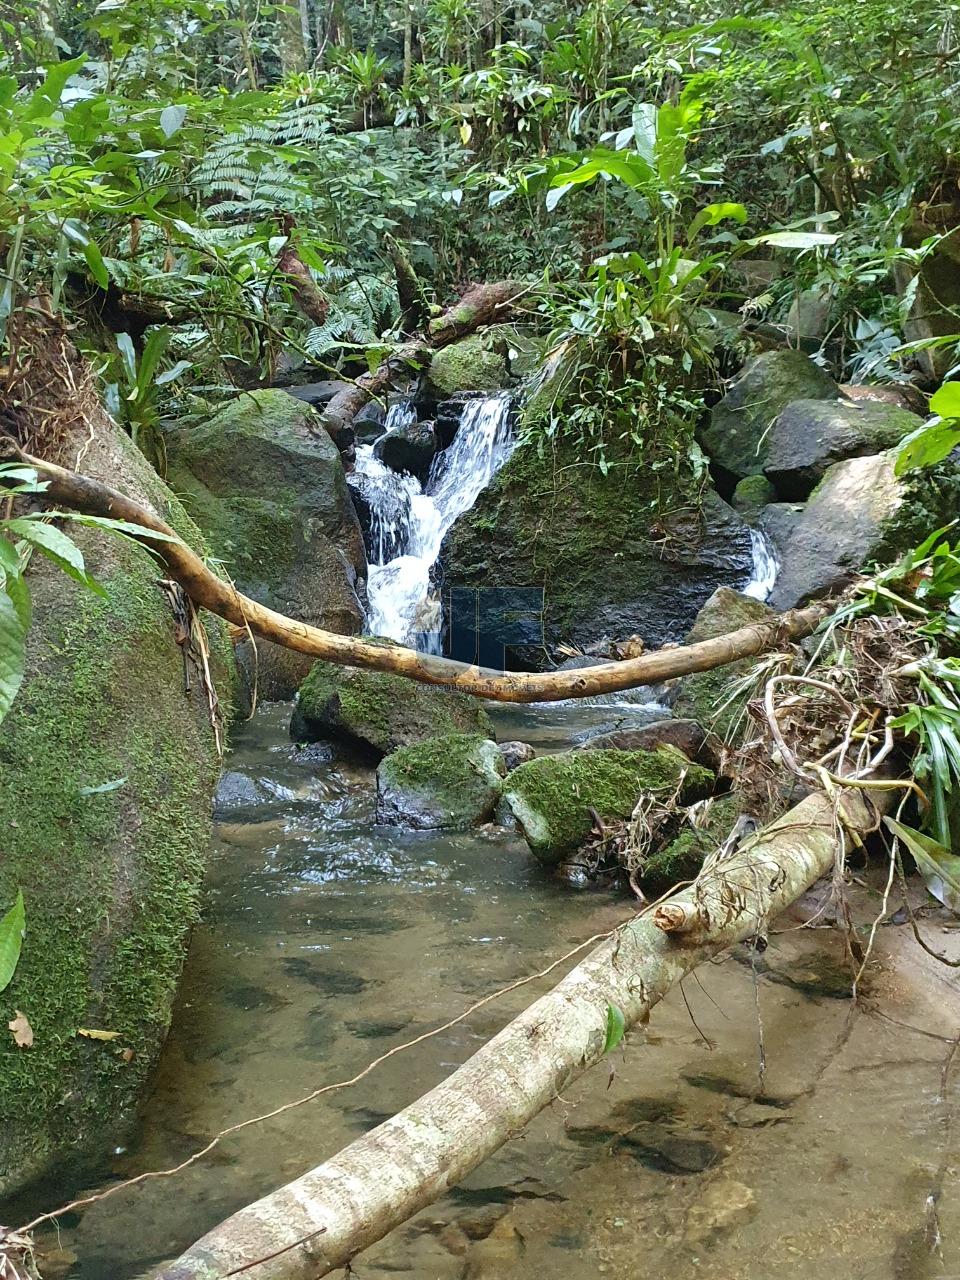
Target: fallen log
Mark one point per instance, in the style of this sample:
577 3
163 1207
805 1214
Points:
481 305
205 589
326 1217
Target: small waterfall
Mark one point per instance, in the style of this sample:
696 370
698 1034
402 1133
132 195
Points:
409 522
766 566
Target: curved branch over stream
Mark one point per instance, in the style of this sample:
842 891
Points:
319 1222
205 589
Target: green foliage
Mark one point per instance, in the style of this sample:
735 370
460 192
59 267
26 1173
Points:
12 929
616 1026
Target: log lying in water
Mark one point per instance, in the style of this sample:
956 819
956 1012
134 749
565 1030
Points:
378 1182
205 589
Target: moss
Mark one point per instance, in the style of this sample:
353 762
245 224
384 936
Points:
110 880
475 363
452 781
683 857
708 697
931 499
552 796
378 712
751 495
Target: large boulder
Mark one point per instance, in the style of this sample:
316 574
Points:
375 712
736 437
810 435
410 448
843 527
108 765
475 363
266 485
554 798
711 698
613 555
449 782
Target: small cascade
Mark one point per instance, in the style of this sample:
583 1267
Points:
766 566
408 522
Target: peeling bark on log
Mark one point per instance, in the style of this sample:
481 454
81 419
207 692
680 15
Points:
208 591
382 1179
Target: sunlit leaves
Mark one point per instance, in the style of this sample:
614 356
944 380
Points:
12 928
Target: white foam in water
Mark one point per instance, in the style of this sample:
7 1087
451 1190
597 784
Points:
766 566
409 522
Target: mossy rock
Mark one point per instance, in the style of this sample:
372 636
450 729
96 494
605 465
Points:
266 485
709 697
613 555
736 436
683 857
476 363
376 712
450 782
111 878
751 495
553 797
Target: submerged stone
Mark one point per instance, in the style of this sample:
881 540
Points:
377 712
452 781
554 798
686 735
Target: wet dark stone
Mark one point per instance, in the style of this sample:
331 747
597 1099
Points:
317 394
667 1153
332 982
368 423
236 791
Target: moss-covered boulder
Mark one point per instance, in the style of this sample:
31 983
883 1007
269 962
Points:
614 555
476 363
751 495
709 697
554 798
682 858
736 435
266 485
449 782
376 713
107 771
810 435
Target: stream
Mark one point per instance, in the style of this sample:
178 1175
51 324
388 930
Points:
326 941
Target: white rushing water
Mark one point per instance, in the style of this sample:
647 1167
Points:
409 521
766 566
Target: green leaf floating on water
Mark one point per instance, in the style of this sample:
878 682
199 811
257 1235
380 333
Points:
12 928
615 1028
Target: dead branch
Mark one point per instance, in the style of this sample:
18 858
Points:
205 589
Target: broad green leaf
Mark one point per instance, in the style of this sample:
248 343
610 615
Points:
9 559
129 357
615 1028
96 264
946 401
555 195
12 928
56 546
714 213
18 591
796 239
153 349
644 122
104 788
928 445
940 868
13 638
171 118
171 375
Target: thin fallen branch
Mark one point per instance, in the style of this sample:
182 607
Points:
205 589
383 1178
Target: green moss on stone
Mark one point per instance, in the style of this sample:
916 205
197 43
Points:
551 797
453 781
475 363
683 857
751 495
378 712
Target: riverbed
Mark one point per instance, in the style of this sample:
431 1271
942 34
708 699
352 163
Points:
326 941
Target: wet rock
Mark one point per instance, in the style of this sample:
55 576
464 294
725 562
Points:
448 416
751 495
236 791
682 858
901 395
516 753
368 422
376 712
685 735
666 1152
408 448
450 782
267 487
554 797
318 394
588 554
842 527
705 695
810 435
736 436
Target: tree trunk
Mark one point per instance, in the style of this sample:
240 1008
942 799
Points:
208 591
382 1179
